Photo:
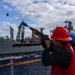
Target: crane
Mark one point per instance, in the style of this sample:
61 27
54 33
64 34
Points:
20 34
11 33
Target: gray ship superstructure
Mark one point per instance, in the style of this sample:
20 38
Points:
69 26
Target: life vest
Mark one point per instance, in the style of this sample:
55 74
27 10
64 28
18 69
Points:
74 49
57 70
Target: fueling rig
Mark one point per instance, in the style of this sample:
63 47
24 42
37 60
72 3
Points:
21 34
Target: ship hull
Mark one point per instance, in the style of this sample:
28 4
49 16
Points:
9 47
19 50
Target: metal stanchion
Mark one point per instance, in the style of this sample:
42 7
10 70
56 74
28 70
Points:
11 66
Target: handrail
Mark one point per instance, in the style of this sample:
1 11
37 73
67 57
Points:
20 63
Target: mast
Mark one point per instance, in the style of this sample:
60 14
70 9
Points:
11 33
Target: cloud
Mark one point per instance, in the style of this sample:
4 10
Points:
14 18
72 2
5 29
6 24
46 13
6 7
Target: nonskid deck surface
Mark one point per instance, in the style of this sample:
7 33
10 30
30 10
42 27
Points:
34 67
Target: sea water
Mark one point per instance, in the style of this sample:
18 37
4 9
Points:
34 68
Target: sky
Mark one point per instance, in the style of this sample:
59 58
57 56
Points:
36 13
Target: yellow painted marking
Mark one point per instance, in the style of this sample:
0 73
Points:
20 63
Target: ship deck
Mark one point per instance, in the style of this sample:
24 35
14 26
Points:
29 65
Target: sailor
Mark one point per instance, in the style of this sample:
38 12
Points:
72 35
62 58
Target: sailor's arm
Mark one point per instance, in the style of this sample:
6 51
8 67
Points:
56 57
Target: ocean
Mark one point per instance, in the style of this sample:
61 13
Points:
29 68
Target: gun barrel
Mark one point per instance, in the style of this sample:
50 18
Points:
44 37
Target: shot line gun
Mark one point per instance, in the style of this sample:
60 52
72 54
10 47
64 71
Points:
36 32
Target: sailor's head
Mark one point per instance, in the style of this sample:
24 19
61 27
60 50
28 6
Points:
61 35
